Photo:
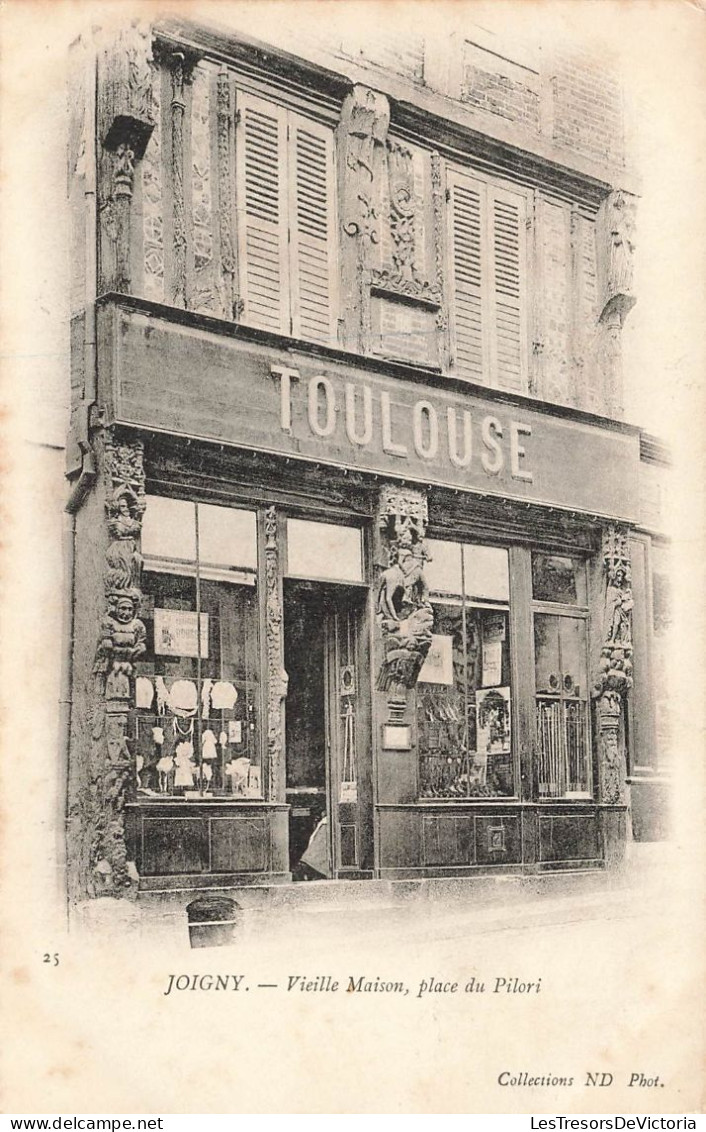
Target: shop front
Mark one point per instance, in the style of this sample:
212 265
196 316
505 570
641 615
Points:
359 624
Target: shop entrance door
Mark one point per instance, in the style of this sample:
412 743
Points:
327 724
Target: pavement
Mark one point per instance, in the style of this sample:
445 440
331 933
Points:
319 914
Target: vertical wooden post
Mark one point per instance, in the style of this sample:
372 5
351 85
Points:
362 132
275 676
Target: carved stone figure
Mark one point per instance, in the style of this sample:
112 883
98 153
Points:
123 635
404 613
618 254
402 276
123 555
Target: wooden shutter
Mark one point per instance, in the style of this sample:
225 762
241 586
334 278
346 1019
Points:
468 345
312 230
507 233
261 156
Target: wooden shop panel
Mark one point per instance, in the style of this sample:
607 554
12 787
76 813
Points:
279 841
397 776
498 840
349 847
448 839
400 841
239 845
568 837
174 845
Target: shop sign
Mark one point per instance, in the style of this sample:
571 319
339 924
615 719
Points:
175 633
201 384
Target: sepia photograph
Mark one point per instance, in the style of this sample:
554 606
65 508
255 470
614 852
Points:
352 574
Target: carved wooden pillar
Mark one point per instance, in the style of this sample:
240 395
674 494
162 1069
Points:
615 666
125 124
615 262
440 260
231 303
362 132
181 67
275 675
404 615
121 640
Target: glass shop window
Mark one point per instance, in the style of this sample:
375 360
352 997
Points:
561 677
197 692
324 551
464 696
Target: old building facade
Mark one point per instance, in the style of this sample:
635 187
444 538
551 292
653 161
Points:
363 570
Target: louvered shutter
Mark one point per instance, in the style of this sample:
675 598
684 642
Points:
261 158
507 231
312 231
468 346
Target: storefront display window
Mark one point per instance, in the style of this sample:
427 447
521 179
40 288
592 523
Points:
196 718
561 681
464 691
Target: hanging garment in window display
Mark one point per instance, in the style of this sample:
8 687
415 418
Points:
464 694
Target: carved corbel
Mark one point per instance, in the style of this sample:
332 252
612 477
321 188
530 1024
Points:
362 133
614 678
125 125
403 612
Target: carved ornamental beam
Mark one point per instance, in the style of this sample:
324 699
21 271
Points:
276 675
121 642
614 678
362 134
404 614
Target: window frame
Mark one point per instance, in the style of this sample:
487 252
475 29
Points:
491 605
289 112
574 612
191 568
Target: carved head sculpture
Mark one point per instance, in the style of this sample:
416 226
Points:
125 609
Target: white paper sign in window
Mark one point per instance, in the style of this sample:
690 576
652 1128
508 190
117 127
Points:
175 633
438 667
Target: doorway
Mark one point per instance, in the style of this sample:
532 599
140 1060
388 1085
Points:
327 728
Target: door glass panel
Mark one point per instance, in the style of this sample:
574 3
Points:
558 578
324 550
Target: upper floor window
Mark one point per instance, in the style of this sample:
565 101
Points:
287 229
488 281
